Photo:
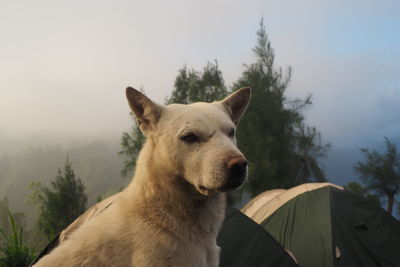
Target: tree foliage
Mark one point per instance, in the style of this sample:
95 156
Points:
193 86
131 143
309 149
61 204
380 172
361 191
281 149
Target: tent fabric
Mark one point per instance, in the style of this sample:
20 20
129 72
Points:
305 234
256 203
244 243
360 228
258 209
328 227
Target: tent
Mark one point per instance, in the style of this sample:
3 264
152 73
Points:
324 225
243 242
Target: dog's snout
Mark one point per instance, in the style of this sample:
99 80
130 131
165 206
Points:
236 168
237 165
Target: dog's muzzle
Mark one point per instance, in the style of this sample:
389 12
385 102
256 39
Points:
236 174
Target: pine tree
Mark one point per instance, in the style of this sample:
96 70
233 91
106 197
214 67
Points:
282 151
61 204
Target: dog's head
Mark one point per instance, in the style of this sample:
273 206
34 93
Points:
195 142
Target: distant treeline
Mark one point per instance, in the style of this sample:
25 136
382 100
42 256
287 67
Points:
97 164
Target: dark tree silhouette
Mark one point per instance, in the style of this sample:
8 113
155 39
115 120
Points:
381 171
309 149
361 191
62 203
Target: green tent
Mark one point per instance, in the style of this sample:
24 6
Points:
246 244
324 225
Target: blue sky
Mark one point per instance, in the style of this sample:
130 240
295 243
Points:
65 64
370 28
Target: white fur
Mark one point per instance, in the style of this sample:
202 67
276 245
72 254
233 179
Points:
172 211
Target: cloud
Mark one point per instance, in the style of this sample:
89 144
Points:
65 64
355 99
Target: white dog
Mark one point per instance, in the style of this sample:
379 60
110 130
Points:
172 211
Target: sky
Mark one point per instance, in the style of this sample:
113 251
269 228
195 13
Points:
64 65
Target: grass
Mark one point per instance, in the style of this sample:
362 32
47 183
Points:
14 253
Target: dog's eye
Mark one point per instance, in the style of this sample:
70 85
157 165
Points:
231 133
189 138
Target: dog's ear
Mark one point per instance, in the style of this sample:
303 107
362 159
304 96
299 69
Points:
236 103
146 111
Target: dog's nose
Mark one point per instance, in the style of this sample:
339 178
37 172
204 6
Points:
237 166
237 170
